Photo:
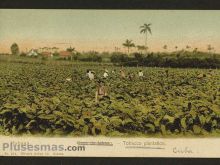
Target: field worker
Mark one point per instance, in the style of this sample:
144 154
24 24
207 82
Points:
105 75
68 79
74 75
122 72
101 91
167 72
130 76
140 74
90 74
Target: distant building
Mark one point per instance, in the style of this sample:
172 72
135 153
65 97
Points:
65 54
32 52
47 54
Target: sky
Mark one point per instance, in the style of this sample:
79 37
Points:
103 30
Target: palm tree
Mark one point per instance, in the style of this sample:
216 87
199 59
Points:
209 48
70 49
176 47
128 44
195 50
145 29
187 47
117 49
165 47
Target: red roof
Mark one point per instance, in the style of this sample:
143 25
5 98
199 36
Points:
46 53
65 53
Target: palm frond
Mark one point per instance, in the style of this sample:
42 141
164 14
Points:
149 29
124 44
146 28
128 43
132 45
143 31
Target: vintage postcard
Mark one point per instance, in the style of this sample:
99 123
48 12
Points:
111 83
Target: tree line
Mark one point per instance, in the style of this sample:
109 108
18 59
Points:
183 58
174 60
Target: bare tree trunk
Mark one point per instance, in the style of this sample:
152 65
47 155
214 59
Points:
146 43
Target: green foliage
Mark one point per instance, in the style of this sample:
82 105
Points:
70 49
181 59
15 49
36 98
91 56
119 58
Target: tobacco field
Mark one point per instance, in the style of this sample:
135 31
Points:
37 99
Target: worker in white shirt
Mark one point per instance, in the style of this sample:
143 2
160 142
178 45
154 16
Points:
90 74
105 75
140 74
